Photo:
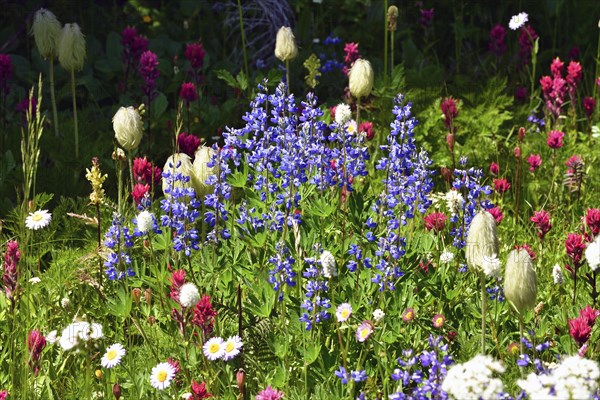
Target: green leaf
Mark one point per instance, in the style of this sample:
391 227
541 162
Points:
225 75
242 80
159 106
311 352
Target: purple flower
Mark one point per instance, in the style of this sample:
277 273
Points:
148 69
364 331
6 70
188 93
496 44
342 374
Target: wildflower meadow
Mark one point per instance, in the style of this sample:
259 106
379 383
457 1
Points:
277 199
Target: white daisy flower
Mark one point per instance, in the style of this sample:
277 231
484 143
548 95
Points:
188 295
39 219
162 375
113 355
232 347
213 348
145 221
343 312
518 21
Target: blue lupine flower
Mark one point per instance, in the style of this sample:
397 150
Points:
118 238
342 374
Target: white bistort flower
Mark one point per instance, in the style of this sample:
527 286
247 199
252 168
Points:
328 264
378 315
474 379
162 375
342 113
113 355
446 257
517 21
454 201
38 219
557 274
189 295
145 221
343 312
592 253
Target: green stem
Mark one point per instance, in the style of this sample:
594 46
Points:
521 335
53 97
75 113
357 112
243 38
483 310
392 54
287 75
385 40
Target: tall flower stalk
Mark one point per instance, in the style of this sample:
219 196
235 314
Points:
30 144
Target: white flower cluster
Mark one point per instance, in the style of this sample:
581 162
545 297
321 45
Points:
75 333
446 257
592 253
328 264
474 379
574 378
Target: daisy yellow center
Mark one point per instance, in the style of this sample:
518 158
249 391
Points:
409 315
37 217
345 314
214 348
111 354
161 376
229 347
439 321
364 332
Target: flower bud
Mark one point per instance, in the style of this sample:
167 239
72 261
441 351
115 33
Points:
517 152
136 293
201 171
128 127
521 134
285 44
361 78
98 373
482 240
178 163
46 31
520 280
240 378
450 141
117 391
147 295
71 47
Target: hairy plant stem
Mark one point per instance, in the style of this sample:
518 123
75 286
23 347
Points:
99 237
357 112
287 75
483 310
75 124
53 97
521 336
244 38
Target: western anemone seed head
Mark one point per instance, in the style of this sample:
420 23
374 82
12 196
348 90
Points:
285 44
71 47
392 17
201 171
361 78
482 239
46 32
177 163
128 127
519 280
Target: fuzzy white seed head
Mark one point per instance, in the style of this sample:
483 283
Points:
71 47
520 280
189 295
46 31
361 78
482 240
201 171
128 127
285 44
145 221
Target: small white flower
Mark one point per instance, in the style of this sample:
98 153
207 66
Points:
38 219
35 280
162 375
446 257
145 221
52 337
328 263
342 114
557 274
351 127
232 347
213 348
454 201
592 253
491 265
113 355
186 396
474 379
378 315
518 21
188 295
65 302
343 312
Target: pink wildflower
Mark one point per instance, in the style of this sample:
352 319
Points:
555 139
535 161
269 393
